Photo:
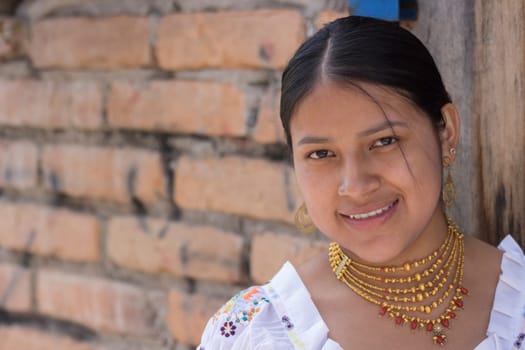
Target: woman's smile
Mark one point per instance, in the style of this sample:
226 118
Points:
372 213
371 219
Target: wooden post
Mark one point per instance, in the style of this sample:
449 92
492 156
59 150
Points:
446 28
479 46
499 110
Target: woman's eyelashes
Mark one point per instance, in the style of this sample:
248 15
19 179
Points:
320 154
384 141
381 142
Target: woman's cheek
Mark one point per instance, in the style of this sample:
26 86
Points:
315 187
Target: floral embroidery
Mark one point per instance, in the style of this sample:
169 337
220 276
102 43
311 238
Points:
285 319
521 337
240 310
287 323
519 341
228 329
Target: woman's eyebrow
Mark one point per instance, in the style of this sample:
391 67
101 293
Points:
314 139
384 125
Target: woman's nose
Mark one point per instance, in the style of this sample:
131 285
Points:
358 179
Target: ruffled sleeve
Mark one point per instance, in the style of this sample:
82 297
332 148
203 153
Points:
248 321
279 316
506 328
305 327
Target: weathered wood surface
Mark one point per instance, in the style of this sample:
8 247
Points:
479 46
446 28
499 109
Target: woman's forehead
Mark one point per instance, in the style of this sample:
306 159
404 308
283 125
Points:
332 101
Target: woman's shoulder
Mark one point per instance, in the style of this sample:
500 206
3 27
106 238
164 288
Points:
482 249
502 266
508 245
482 261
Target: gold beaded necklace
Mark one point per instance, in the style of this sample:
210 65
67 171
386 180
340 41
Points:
408 293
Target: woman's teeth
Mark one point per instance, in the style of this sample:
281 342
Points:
372 213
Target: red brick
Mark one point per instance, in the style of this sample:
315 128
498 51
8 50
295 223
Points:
25 338
15 293
235 185
269 128
91 43
97 8
157 246
51 104
270 251
13 38
188 315
103 173
101 304
60 233
328 16
241 39
178 106
18 164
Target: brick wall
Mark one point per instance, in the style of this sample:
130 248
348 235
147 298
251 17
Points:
143 173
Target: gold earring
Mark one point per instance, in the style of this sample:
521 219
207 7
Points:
302 220
449 188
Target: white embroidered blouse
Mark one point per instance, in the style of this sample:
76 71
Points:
281 315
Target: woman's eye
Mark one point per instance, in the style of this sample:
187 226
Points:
384 141
320 154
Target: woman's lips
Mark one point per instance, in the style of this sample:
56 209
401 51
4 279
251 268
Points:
371 214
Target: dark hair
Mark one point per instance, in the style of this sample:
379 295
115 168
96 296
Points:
360 49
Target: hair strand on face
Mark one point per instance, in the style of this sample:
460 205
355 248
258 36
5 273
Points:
385 115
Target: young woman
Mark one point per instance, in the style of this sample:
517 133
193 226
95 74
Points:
372 129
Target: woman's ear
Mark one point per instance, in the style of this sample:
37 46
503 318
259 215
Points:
449 134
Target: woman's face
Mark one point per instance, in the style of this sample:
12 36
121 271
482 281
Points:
371 183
